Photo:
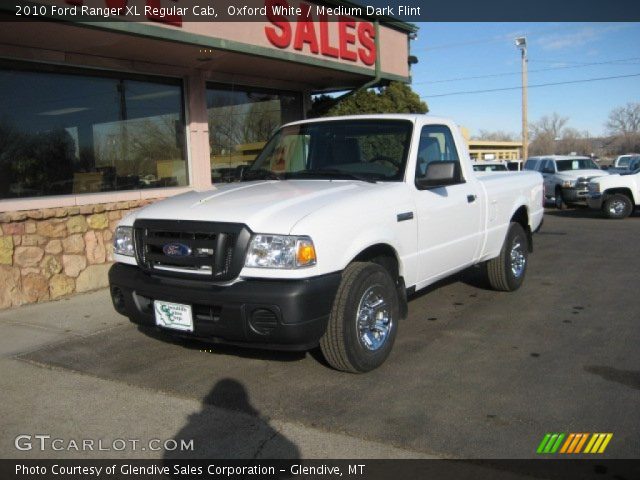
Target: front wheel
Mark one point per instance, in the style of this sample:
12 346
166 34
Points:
364 319
559 200
506 272
617 206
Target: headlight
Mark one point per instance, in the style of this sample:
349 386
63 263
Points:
123 241
280 251
594 187
567 184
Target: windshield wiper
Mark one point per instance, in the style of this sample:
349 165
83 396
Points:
333 173
261 174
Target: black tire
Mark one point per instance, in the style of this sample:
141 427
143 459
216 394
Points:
617 206
344 343
559 200
504 272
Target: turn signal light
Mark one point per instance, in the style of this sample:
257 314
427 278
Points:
306 254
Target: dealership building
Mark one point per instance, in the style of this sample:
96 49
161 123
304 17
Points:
100 116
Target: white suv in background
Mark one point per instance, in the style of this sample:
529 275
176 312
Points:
566 177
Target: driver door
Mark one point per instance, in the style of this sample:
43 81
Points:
449 217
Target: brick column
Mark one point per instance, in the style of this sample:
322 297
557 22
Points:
198 131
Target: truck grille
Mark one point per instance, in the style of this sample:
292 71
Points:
583 182
191 249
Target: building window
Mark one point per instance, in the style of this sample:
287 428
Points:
73 132
241 120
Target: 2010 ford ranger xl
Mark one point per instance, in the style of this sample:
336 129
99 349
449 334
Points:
323 237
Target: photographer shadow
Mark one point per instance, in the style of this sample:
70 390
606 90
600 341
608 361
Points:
229 427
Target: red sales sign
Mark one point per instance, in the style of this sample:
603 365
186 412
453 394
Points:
356 40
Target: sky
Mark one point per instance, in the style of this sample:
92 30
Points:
450 53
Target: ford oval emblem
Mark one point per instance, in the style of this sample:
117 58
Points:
176 250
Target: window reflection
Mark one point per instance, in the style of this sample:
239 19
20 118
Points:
71 133
241 120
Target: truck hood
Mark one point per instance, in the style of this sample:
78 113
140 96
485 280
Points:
264 206
615 180
575 174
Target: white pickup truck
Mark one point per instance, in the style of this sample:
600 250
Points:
566 177
617 195
330 228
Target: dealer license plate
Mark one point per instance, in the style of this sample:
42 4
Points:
173 315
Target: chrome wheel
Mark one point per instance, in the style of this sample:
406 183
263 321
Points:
374 320
617 207
518 258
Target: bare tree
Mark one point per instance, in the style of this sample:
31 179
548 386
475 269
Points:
550 134
624 120
497 136
624 126
573 140
549 125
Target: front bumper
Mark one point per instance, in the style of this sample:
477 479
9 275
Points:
276 314
595 200
575 194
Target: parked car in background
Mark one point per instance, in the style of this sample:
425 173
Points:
623 163
617 195
515 165
566 177
489 167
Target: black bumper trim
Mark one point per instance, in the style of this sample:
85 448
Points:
296 318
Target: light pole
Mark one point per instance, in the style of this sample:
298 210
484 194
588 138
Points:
521 43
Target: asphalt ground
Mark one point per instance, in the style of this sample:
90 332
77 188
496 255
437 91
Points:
473 374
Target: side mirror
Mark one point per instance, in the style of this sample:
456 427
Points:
440 174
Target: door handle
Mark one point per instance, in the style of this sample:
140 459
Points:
471 198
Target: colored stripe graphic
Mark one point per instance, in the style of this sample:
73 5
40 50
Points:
598 442
573 443
550 443
567 443
581 443
594 437
543 443
555 447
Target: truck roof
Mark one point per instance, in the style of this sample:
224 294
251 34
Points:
558 157
412 117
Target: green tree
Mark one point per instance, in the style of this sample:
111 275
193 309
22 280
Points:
395 98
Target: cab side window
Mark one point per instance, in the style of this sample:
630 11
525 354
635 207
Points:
436 145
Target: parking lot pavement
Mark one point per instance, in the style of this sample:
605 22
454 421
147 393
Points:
39 399
474 373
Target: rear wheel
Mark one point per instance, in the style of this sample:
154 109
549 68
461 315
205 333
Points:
364 319
617 206
506 272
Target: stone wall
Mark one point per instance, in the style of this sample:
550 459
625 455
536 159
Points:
52 253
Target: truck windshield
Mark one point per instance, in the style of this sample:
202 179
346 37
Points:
576 164
368 150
